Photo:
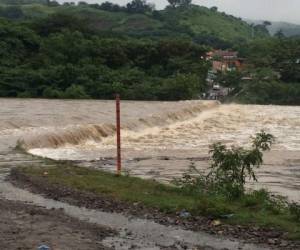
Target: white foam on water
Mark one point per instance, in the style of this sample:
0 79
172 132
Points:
230 124
152 132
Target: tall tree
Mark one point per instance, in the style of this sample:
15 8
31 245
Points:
174 3
139 6
177 3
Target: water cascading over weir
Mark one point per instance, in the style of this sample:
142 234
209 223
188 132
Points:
77 134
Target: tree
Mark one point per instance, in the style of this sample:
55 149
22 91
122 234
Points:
82 3
75 92
230 79
267 23
214 9
185 3
139 6
231 167
12 12
58 22
177 3
108 6
53 4
181 87
174 3
279 34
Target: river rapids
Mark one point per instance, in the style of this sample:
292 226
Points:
160 140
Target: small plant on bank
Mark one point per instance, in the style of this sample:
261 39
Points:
295 210
230 168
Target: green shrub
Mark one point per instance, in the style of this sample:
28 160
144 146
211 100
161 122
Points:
52 93
256 198
212 207
75 92
229 170
295 210
231 167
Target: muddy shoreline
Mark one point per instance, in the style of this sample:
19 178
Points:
25 226
273 239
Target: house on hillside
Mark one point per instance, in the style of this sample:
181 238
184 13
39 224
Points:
225 60
222 61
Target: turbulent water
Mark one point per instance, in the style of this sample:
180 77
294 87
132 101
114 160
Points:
159 139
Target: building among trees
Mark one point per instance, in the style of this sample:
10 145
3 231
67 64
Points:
224 60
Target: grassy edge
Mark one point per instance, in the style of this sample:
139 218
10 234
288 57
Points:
251 211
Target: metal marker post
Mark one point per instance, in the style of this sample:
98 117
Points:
118 128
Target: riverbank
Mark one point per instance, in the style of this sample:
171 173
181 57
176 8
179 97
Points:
160 140
251 219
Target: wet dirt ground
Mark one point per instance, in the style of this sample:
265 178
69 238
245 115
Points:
132 232
146 220
24 226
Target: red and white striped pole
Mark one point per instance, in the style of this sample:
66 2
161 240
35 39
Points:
118 127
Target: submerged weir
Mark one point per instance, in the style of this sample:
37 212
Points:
77 134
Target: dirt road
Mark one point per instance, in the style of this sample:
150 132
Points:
24 226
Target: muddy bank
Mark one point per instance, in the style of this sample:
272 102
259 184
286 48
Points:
273 239
24 226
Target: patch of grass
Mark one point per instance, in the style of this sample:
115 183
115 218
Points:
256 208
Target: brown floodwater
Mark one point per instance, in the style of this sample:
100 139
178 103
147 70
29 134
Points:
159 139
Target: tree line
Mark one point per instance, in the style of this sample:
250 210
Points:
46 60
61 56
271 75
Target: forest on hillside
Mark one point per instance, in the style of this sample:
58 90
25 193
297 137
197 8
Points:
273 64
93 51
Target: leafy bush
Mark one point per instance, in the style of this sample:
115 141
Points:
231 167
12 12
229 170
75 91
258 199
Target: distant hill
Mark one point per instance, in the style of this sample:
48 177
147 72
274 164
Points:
18 2
203 21
288 29
204 25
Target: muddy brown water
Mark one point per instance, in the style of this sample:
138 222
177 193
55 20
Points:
160 140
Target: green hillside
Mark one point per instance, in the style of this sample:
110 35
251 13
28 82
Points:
202 20
22 2
288 29
203 24
94 51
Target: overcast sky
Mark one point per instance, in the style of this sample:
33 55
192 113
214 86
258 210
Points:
273 10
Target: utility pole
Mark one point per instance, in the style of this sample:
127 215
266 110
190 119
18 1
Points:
118 132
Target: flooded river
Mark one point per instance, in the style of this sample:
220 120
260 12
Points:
159 139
